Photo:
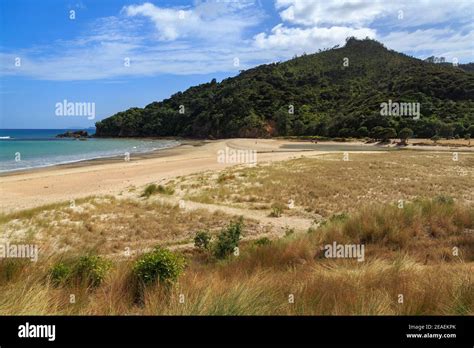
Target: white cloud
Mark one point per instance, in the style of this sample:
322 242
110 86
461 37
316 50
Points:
307 12
209 21
403 13
203 39
206 37
420 28
308 39
444 42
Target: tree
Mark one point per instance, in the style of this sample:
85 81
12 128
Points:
458 129
467 136
283 121
470 130
446 130
388 133
362 132
435 138
256 102
405 134
377 132
344 132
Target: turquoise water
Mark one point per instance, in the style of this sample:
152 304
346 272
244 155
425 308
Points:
39 148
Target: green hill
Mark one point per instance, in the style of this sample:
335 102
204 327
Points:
314 94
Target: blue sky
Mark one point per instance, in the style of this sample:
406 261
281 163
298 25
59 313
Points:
119 54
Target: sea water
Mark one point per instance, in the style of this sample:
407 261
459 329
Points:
33 148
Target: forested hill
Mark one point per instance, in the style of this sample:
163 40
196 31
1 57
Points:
336 92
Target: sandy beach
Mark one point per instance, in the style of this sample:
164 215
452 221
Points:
28 189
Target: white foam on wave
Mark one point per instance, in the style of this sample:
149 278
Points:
58 160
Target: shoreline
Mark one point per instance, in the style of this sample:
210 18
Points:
102 160
113 176
163 152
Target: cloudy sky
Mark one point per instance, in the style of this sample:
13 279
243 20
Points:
120 54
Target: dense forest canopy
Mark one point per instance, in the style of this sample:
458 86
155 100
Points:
333 93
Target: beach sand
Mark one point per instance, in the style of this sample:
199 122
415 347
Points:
29 189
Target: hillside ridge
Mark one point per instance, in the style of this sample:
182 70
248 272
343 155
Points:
333 93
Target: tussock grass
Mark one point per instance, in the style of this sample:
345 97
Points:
325 185
408 252
422 249
151 189
111 226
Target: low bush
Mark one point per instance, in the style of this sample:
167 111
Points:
91 270
165 190
149 190
60 273
277 210
159 265
228 239
202 240
262 241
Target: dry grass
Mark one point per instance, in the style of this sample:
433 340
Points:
110 226
408 252
443 142
326 185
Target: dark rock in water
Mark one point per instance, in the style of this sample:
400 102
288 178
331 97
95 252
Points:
76 134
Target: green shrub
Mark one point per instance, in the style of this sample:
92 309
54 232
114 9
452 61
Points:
228 239
344 132
377 132
341 217
446 130
405 134
388 133
60 273
335 218
277 209
91 270
149 190
159 265
223 177
263 241
165 190
470 130
289 231
442 199
12 268
363 132
202 240
152 189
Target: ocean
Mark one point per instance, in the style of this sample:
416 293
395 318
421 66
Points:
33 148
